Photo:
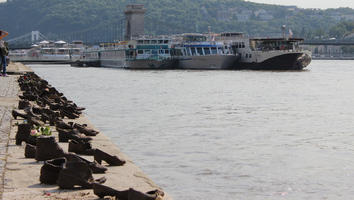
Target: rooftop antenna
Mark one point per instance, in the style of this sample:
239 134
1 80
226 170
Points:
209 32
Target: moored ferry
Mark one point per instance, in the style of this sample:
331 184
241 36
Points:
89 58
142 53
195 51
150 53
49 52
112 55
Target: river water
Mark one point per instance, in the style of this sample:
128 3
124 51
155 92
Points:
226 134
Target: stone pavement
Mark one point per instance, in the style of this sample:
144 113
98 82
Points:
18 68
8 99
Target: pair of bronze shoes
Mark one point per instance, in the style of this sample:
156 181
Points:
85 148
130 194
68 174
31 118
71 134
81 128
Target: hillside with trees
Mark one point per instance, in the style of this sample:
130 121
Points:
98 20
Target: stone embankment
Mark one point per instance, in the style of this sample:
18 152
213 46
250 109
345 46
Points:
20 175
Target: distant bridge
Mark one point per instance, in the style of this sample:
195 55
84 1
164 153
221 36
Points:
26 40
90 37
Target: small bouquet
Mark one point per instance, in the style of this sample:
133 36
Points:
40 130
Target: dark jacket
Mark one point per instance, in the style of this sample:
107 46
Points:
4 49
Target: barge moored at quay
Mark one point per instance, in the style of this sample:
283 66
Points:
267 53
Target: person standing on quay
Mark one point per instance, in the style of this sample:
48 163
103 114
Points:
4 52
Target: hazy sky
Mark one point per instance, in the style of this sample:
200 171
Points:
323 4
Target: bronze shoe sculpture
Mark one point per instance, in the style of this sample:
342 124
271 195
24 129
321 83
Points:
48 148
30 151
80 147
94 166
111 160
50 170
77 174
130 194
23 132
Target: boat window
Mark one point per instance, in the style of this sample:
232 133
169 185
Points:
140 42
207 51
129 53
213 50
220 50
140 52
226 50
193 51
250 55
179 52
146 42
246 55
167 51
188 51
243 45
173 52
160 41
200 51
76 51
147 51
153 41
154 52
165 41
161 51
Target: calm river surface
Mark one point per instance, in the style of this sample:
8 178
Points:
226 134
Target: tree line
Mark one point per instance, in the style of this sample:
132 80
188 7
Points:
97 20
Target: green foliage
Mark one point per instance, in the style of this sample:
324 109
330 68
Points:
46 131
103 20
40 130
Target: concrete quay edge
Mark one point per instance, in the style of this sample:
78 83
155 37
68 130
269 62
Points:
20 179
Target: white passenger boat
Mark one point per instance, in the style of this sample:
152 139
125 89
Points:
142 53
197 52
49 52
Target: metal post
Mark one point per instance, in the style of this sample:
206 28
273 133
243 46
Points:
283 30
